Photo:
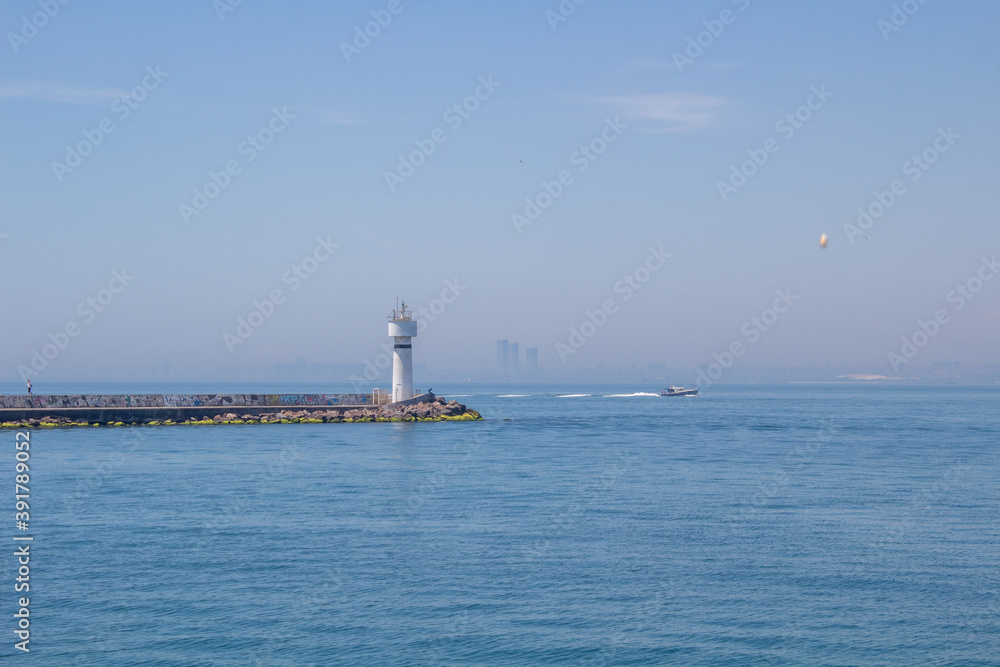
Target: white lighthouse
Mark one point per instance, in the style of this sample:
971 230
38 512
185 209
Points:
402 328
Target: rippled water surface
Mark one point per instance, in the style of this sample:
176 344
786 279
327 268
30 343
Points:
592 525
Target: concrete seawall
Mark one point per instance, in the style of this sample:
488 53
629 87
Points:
190 400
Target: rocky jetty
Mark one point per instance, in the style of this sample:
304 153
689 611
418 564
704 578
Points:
429 409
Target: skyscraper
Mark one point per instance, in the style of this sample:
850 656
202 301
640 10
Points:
502 354
531 358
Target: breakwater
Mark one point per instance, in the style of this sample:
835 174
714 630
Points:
167 409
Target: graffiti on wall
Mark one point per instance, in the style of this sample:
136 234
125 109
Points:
317 399
181 400
84 401
190 400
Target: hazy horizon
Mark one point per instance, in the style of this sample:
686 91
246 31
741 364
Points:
254 152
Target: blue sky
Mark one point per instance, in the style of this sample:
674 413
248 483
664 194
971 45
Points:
345 122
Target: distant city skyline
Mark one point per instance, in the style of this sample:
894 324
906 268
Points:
508 358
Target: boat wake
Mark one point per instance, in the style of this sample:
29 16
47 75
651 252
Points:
638 393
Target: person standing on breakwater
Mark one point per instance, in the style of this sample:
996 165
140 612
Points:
29 387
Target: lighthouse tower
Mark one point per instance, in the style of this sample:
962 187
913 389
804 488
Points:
402 328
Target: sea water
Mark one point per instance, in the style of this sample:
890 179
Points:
576 525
